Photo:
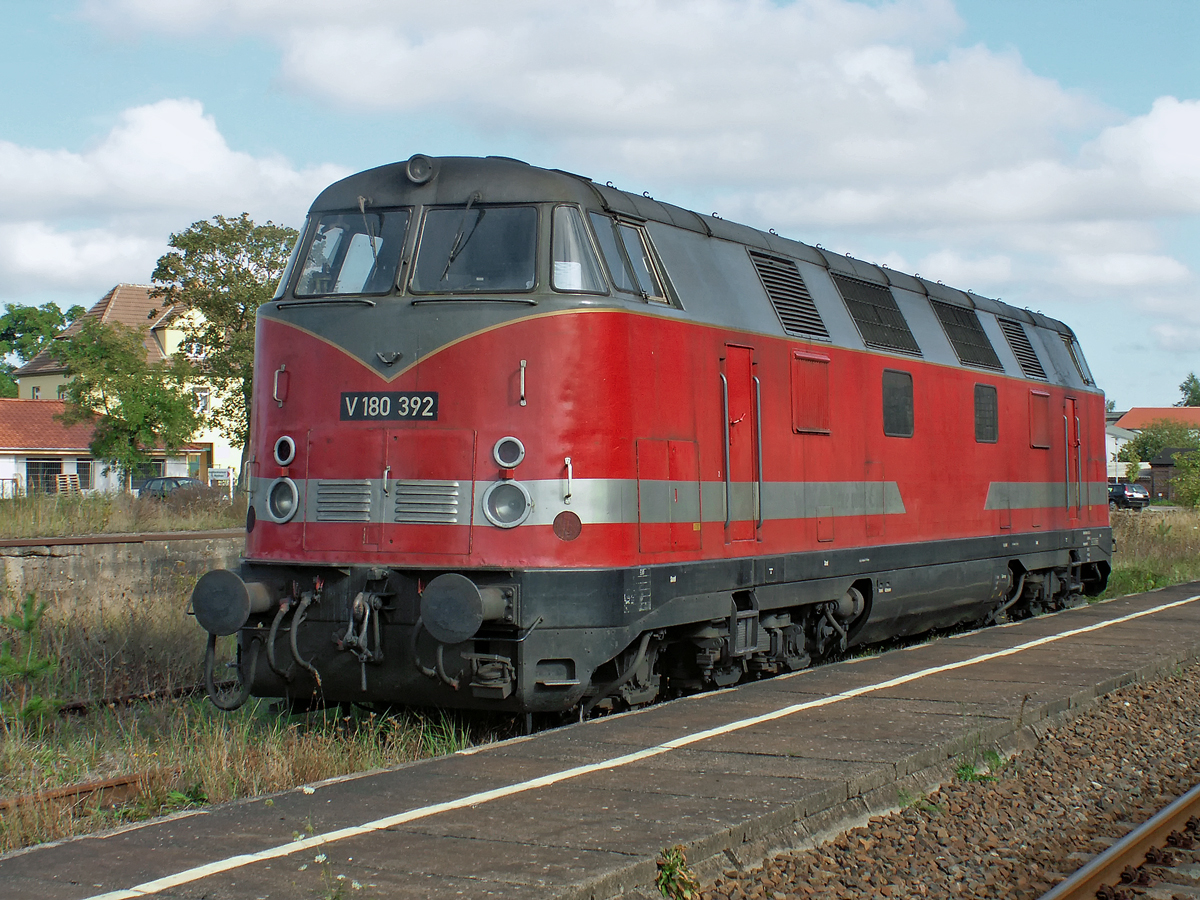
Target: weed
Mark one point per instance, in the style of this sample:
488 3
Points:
675 880
21 671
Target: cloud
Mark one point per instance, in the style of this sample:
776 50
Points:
866 126
90 219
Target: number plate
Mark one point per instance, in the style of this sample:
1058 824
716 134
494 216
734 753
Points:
389 406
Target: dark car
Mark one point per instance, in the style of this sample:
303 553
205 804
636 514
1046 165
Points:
161 487
1127 496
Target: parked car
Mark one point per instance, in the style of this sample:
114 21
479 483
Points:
161 487
1128 496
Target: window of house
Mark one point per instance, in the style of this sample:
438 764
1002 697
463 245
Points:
83 468
1039 420
41 474
897 403
987 415
810 392
35 392
202 397
62 391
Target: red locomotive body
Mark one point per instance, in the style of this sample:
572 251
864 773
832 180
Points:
524 442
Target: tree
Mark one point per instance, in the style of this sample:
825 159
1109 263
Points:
220 272
1153 439
1190 388
1187 477
24 332
136 405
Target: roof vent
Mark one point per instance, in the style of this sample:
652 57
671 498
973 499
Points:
1022 349
793 304
876 314
966 335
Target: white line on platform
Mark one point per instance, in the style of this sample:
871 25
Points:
245 859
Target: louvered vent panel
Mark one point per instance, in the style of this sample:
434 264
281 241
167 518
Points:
428 503
793 304
1018 340
876 314
343 501
966 335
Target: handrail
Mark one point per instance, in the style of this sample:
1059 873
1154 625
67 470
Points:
725 419
758 434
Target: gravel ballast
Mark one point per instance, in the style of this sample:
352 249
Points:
1017 826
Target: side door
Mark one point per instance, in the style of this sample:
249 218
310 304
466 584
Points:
740 401
1073 463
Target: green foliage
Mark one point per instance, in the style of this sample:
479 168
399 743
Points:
675 880
24 332
222 270
1153 439
1187 478
1190 389
21 667
27 330
136 405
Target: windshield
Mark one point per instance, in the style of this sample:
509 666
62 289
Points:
477 248
353 253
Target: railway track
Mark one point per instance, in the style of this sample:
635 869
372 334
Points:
1143 858
107 792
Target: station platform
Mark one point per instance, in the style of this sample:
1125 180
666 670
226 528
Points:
584 811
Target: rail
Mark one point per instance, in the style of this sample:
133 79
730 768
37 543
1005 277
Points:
1174 826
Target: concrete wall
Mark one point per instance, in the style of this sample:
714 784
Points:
66 575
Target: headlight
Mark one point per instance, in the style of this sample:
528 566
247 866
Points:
508 452
506 504
285 451
282 500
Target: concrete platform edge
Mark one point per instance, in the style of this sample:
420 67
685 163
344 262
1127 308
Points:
820 817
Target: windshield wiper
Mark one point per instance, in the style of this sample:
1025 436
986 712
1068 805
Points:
362 209
459 243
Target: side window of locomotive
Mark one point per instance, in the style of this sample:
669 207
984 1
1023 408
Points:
618 266
987 415
1039 420
471 249
576 267
810 393
897 403
626 250
353 253
291 265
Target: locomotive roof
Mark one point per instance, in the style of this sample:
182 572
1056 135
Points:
454 180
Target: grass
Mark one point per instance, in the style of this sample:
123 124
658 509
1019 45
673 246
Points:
60 515
202 756
1153 549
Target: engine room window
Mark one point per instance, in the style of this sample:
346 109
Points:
575 265
810 393
1039 420
897 403
987 416
626 250
353 253
467 249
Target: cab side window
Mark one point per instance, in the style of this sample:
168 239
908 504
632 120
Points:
626 251
897 403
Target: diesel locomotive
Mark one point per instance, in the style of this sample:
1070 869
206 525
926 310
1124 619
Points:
526 442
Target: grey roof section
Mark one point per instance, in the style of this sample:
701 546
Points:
706 262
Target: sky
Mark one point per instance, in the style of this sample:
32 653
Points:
1045 152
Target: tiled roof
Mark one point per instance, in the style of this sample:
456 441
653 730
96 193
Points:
1141 416
31 425
129 304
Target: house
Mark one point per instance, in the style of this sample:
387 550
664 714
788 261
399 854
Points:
1141 416
1163 472
211 456
39 454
